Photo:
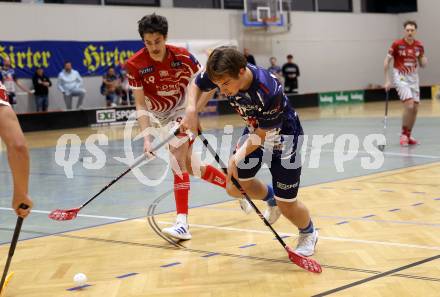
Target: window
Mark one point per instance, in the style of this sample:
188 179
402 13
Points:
97 2
133 2
302 5
389 6
197 3
335 5
233 4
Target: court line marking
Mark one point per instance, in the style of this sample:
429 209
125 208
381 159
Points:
380 275
225 254
79 215
257 231
240 256
365 218
333 238
385 153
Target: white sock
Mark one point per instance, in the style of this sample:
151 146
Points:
182 218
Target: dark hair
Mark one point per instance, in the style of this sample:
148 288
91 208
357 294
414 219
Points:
410 22
153 23
289 56
225 60
67 62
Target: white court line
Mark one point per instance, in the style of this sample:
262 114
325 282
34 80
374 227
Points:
258 231
376 153
309 148
404 245
79 215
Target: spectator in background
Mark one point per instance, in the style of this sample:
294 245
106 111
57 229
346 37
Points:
9 80
249 58
70 83
290 72
111 87
127 93
274 68
41 85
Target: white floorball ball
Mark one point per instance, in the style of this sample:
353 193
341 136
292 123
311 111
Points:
80 279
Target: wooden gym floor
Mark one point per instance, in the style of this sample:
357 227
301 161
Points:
379 230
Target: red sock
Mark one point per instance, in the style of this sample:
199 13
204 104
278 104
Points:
406 131
214 176
181 191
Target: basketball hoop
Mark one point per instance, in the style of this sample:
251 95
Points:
267 16
268 21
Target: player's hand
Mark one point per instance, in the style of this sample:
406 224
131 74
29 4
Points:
147 148
17 200
190 121
387 85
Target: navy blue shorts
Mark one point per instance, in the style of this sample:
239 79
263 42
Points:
285 171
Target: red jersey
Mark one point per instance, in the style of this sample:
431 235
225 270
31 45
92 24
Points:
3 95
406 55
164 83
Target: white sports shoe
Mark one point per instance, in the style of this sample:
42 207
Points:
178 231
272 214
245 206
306 243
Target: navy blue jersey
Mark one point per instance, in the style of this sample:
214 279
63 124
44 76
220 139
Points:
264 105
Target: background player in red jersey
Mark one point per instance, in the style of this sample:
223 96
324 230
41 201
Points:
159 75
407 53
18 155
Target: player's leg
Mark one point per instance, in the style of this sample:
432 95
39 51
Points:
286 179
416 98
255 188
408 120
178 152
206 172
405 96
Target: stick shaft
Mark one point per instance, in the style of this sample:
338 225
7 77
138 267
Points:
12 247
238 186
386 109
138 161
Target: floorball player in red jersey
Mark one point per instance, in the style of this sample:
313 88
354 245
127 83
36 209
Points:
408 53
159 75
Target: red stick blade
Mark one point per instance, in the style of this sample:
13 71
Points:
64 214
306 263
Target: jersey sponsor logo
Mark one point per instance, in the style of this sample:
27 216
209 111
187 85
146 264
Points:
146 70
286 186
176 64
271 112
163 73
168 87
